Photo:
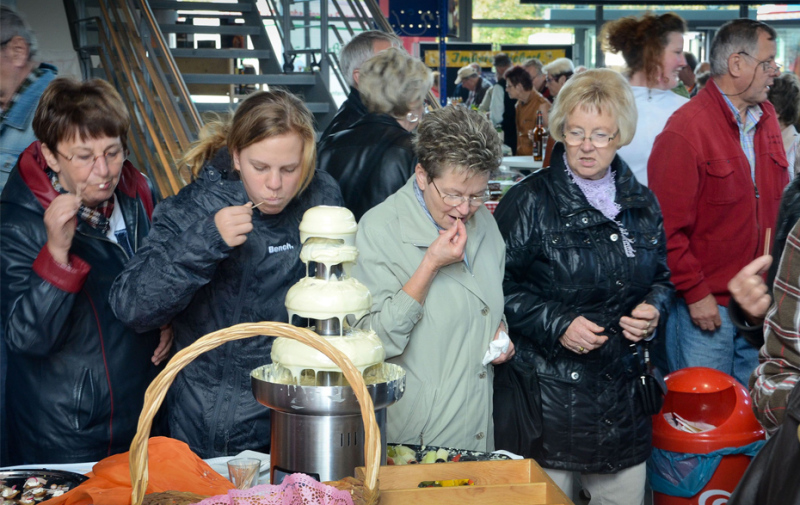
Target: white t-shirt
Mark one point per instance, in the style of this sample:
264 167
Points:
654 107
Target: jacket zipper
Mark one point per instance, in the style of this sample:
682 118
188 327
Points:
226 371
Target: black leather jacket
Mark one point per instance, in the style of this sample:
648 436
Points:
351 111
371 160
76 374
564 259
188 275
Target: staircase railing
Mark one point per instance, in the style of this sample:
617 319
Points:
136 58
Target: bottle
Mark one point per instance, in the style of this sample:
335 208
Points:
539 137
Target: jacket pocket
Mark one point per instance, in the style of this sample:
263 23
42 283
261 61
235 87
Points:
722 187
84 395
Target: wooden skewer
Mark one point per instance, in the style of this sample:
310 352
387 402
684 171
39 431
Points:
255 206
766 241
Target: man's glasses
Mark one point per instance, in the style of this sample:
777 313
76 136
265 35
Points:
456 200
575 138
768 66
113 157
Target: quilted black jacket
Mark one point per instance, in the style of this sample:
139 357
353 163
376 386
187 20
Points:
188 275
371 160
76 374
564 259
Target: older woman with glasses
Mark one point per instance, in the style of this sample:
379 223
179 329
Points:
586 279
558 73
72 214
433 259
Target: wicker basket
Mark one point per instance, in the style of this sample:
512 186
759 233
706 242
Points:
158 389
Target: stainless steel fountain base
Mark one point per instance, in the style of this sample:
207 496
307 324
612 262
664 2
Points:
317 430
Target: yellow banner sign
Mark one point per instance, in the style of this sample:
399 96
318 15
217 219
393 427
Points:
460 58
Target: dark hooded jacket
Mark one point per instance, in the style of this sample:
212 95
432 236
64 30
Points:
371 160
188 275
77 375
565 259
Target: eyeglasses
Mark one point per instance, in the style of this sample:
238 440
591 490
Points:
113 157
456 200
575 138
768 66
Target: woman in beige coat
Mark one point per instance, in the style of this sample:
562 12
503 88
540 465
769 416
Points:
433 258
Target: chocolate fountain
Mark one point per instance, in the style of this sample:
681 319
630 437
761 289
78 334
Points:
316 420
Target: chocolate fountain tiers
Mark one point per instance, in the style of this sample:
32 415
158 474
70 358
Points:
316 420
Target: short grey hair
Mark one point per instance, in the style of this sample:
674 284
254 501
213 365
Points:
12 24
602 90
393 82
360 49
534 62
458 139
560 66
734 37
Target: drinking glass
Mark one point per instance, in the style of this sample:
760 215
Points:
243 472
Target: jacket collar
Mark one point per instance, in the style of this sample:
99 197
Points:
354 101
382 119
31 165
712 93
416 228
570 198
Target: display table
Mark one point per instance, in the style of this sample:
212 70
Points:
219 465
524 164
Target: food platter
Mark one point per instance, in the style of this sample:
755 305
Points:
51 483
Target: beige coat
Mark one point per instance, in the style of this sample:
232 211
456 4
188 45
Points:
448 395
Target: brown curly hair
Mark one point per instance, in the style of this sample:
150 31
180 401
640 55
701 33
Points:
642 40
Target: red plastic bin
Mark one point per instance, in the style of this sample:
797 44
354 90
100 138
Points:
706 395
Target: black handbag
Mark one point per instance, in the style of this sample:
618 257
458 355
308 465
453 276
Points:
517 408
650 384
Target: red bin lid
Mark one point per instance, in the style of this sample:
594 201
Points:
708 396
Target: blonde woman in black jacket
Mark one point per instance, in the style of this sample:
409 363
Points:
213 260
586 278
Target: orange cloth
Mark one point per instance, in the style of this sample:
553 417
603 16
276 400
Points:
173 467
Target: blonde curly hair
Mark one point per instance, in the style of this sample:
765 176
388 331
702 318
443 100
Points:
392 82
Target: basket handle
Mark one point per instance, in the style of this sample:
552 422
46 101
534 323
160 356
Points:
158 389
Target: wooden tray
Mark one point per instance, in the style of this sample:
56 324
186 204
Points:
510 482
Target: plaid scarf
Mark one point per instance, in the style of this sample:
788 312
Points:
98 217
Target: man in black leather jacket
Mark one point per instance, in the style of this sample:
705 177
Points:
362 47
374 158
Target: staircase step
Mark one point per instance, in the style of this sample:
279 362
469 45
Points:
221 53
300 79
314 107
210 30
201 6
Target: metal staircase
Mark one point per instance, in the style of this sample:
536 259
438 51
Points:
133 44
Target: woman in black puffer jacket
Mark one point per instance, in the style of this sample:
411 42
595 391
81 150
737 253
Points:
212 261
586 277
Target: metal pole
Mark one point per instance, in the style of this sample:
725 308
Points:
600 58
443 53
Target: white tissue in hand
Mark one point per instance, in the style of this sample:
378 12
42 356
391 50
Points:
496 347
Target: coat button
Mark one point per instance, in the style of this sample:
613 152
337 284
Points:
585 220
620 283
480 435
575 376
482 375
654 241
614 237
554 240
485 311
567 225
